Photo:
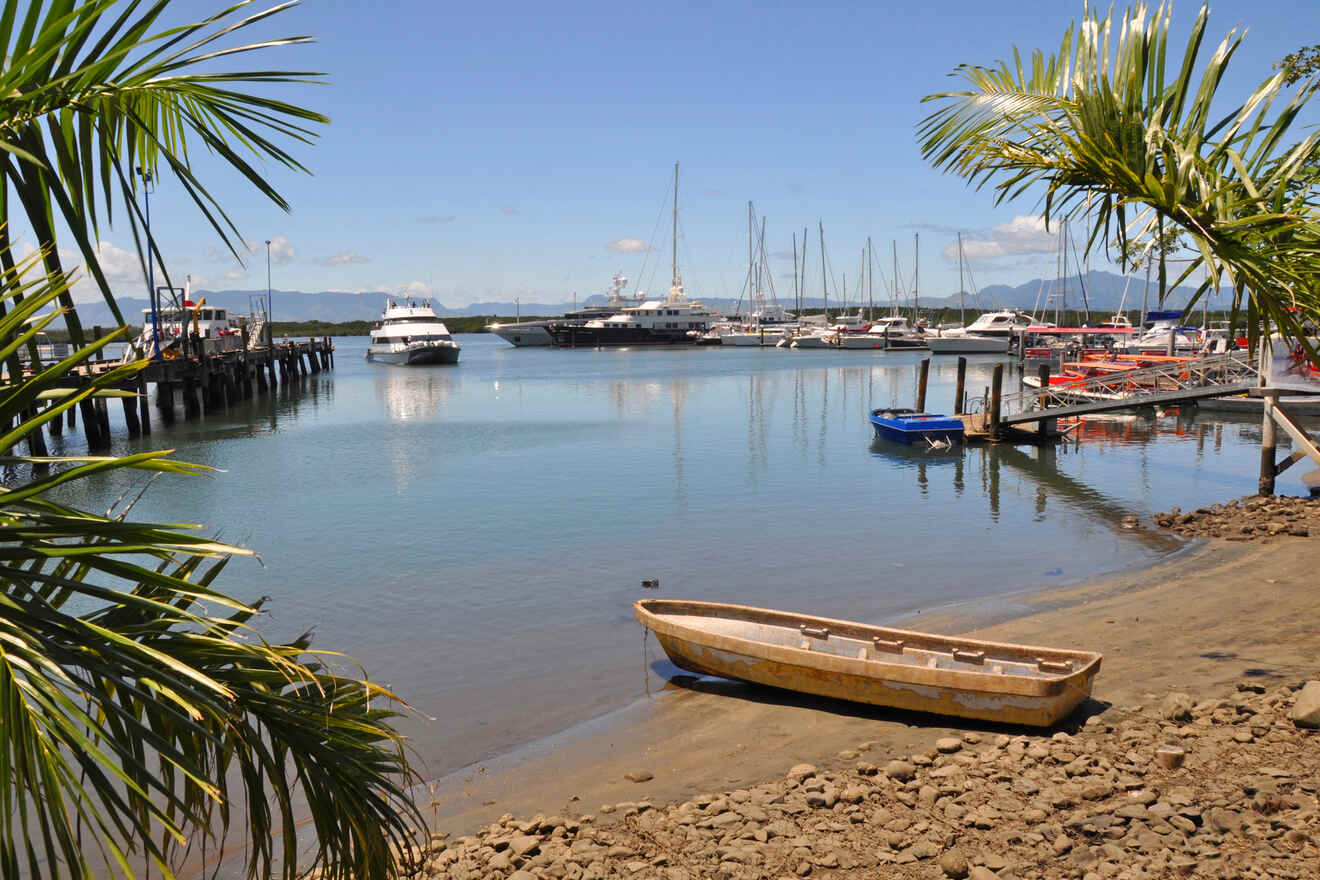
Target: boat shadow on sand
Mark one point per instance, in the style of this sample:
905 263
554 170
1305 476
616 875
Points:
767 695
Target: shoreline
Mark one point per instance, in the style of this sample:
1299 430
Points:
688 742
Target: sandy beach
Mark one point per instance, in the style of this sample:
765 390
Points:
1215 614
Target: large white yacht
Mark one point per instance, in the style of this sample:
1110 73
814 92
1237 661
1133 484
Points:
536 333
409 334
674 320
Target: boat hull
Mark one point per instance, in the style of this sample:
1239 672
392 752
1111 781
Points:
905 426
917 672
417 357
525 335
967 344
603 337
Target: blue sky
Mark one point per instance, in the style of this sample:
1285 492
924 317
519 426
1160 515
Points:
492 151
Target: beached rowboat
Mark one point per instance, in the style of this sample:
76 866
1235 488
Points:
989 681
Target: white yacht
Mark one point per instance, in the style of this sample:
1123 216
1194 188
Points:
536 333
1155 338
896 331
674 320
410 334
175 321
991 333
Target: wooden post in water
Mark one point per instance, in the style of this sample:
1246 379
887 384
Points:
36 441
144 404
960 389
1043 373
996 399
165 401
56 424
130 416
922 378
1267 442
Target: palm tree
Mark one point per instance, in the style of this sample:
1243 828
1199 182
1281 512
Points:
1104 127
142 716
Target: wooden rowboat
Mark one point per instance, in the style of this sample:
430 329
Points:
988 681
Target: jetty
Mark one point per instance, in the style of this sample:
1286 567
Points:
205 374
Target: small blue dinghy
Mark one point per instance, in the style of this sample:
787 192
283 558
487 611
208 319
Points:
904 425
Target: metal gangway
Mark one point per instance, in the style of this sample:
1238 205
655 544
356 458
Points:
1176 381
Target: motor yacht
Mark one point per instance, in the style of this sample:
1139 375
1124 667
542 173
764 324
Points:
411 334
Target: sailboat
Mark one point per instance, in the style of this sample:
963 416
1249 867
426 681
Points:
674 320
768 322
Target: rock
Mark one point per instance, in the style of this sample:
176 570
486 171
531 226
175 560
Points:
799 772
639 776
900 770
1306 709
982 873
1177 707
1170 757
954 864
948 744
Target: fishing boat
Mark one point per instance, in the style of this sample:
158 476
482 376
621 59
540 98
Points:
906 425
919 672
409 334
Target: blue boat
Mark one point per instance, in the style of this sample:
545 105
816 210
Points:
904 425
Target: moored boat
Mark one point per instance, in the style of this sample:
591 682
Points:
411 334
906 425
920 672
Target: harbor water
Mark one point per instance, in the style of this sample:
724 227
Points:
475 535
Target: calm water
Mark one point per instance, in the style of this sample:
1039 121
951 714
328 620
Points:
475 535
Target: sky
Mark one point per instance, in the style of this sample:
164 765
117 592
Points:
487 152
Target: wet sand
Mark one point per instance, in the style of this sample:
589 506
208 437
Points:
1216 614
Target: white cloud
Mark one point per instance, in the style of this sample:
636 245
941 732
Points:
627 246
413 288
1024 234
344 257
281 251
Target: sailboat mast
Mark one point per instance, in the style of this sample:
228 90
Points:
893 300
870 278
824 282
916 274
796 304
962 318
751 264
674 283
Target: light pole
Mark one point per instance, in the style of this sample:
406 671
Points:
270 305
147 186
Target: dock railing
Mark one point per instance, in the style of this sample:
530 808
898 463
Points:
1186 379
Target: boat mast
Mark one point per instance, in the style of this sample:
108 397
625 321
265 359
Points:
674 283
893 300
824 283
796 304
916 274
870 287
962 318
751 265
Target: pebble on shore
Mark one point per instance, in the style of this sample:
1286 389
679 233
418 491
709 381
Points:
1093 804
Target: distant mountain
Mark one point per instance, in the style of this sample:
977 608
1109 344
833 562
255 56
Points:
1103 292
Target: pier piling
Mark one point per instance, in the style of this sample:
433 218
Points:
922 377
1268 442
996 399
959 390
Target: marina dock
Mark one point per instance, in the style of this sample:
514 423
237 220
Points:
204 374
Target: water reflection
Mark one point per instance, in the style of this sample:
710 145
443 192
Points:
413 393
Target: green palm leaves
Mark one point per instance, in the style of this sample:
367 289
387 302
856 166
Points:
1112 132
89 92
142 719
139 713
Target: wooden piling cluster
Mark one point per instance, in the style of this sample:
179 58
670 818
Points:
208 375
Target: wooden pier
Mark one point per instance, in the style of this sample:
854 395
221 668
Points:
206 374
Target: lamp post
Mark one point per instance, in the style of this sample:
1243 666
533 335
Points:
147 186
270 305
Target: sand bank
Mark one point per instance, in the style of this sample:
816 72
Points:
1195 623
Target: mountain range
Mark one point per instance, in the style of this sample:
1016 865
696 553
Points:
1104 291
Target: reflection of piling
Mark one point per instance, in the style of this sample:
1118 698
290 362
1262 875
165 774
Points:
959 391
922 377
